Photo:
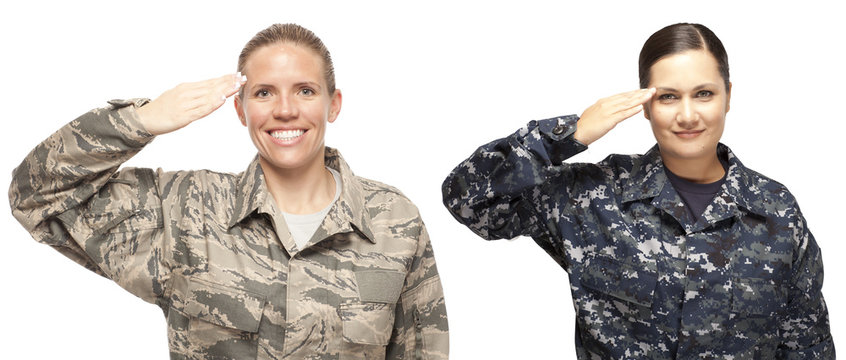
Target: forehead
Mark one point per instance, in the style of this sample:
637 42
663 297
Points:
283 59
685 70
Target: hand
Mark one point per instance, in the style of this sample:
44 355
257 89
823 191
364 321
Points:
187 102
598 119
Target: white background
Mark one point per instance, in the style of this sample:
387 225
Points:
424 84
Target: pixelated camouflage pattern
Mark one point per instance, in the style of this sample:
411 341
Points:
213 251
649 281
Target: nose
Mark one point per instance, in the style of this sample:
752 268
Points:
686 116
285 108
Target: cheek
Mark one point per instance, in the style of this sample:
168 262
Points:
316 113
662 116
256 115
715 114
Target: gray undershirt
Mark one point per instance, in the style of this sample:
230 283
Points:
302 227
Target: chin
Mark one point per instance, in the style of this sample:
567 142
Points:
690 151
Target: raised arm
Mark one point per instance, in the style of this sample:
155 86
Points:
68 192
494 191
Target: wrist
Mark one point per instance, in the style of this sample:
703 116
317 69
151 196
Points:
580 136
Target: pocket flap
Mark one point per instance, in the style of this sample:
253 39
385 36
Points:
382 286
220 305
370 323
622 281
754 296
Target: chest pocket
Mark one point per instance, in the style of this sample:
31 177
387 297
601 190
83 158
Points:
757 297
214 321
622 281
370 319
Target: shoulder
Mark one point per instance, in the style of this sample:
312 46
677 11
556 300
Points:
385 200
615 167
191 192
623 162
765 195
179 182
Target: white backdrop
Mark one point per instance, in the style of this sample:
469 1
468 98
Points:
424 84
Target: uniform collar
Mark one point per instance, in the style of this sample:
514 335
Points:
740 190
348 214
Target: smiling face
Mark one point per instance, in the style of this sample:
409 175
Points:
688 112
286 105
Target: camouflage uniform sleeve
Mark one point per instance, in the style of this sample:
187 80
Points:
69 194
805 330
490 192
420 329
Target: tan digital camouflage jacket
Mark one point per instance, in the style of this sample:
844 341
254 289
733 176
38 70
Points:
214 253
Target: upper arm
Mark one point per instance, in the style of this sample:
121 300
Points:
493 190
805 330
118 232
421 319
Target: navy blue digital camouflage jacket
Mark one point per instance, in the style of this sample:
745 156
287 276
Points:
648 280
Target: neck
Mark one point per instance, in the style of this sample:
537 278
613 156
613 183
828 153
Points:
304 190
703 170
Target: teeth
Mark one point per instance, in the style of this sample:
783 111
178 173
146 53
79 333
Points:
287 134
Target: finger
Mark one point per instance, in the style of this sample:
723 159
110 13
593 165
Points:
639 98
636 95
625 114
221 84
213 91
232 85
201 109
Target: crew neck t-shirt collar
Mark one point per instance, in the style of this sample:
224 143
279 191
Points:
303 226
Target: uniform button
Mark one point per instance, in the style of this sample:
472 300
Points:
559 129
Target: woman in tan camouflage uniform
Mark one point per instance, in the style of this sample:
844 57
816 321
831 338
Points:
296 257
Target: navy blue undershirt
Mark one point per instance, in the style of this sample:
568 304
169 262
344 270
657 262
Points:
697 197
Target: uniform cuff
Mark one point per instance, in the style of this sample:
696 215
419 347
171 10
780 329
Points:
126 121
558 138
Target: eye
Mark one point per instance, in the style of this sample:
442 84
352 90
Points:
666 97
262 93
307 91
704 94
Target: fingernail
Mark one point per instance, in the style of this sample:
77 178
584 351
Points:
238 74
243 78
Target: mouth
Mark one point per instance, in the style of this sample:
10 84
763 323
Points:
688 134
286 136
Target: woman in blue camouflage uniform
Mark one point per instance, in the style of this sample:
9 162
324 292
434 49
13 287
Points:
682 252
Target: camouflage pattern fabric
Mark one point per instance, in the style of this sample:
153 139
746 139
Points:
649 281
213 251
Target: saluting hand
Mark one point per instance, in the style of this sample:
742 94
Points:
187 102
598 119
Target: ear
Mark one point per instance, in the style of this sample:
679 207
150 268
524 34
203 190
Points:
335 106
239 108
728 97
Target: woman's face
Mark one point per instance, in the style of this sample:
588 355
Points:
286 106
688 111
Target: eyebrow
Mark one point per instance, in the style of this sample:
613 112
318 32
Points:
697 88
271 86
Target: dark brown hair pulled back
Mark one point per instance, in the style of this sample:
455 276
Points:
678 38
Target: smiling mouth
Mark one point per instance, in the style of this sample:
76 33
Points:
688 134
287 135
